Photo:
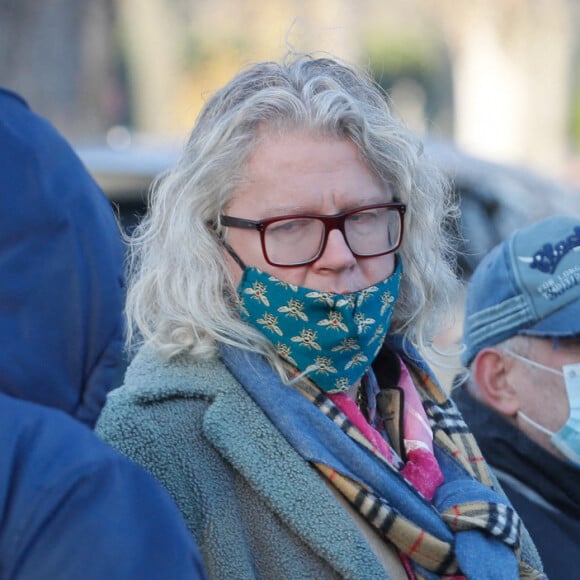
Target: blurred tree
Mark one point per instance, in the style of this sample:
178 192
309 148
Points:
512 64
59 54
179 51
415 71
152 34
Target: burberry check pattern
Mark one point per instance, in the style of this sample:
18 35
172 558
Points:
451 432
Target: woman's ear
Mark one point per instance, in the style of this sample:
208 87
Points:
493 374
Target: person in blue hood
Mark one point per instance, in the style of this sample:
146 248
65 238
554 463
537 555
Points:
61 261
70 505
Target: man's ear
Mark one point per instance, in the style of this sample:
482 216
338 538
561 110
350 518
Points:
491 371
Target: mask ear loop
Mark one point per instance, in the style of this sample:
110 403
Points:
540 366
228 248
532 362
233 254
535 424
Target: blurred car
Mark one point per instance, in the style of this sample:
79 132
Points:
494 199
126 172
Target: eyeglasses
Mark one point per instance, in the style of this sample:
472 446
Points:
297 240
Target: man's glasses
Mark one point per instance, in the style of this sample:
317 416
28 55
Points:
297 240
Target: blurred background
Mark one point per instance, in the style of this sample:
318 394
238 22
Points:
498 77
493 86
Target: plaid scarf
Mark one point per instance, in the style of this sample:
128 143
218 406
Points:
452 435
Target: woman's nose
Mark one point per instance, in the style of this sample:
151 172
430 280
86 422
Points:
336 253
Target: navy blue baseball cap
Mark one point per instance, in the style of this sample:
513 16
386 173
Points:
529 284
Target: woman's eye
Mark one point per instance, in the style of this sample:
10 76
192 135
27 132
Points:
287 227
363 217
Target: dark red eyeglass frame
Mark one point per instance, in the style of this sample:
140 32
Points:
331 222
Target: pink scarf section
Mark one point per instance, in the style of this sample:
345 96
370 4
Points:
421 469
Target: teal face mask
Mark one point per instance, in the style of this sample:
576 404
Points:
334 338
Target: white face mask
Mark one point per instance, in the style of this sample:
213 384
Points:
567 439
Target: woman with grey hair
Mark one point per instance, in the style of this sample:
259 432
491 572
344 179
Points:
286 268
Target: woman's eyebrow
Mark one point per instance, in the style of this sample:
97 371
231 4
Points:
302 209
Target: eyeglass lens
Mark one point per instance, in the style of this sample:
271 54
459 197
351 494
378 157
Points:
369 232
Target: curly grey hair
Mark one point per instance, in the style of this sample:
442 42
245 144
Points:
180 295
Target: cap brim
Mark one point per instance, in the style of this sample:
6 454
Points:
564 322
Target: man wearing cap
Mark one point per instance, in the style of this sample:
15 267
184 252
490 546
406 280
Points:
522 396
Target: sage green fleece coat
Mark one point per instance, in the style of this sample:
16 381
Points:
255 507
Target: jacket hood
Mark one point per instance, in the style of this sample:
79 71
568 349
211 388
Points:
61 271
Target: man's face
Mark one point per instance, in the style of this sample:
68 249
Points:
542 394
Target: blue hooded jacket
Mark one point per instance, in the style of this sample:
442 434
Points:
61 266
70 506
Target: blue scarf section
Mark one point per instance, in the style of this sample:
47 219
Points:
317 439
